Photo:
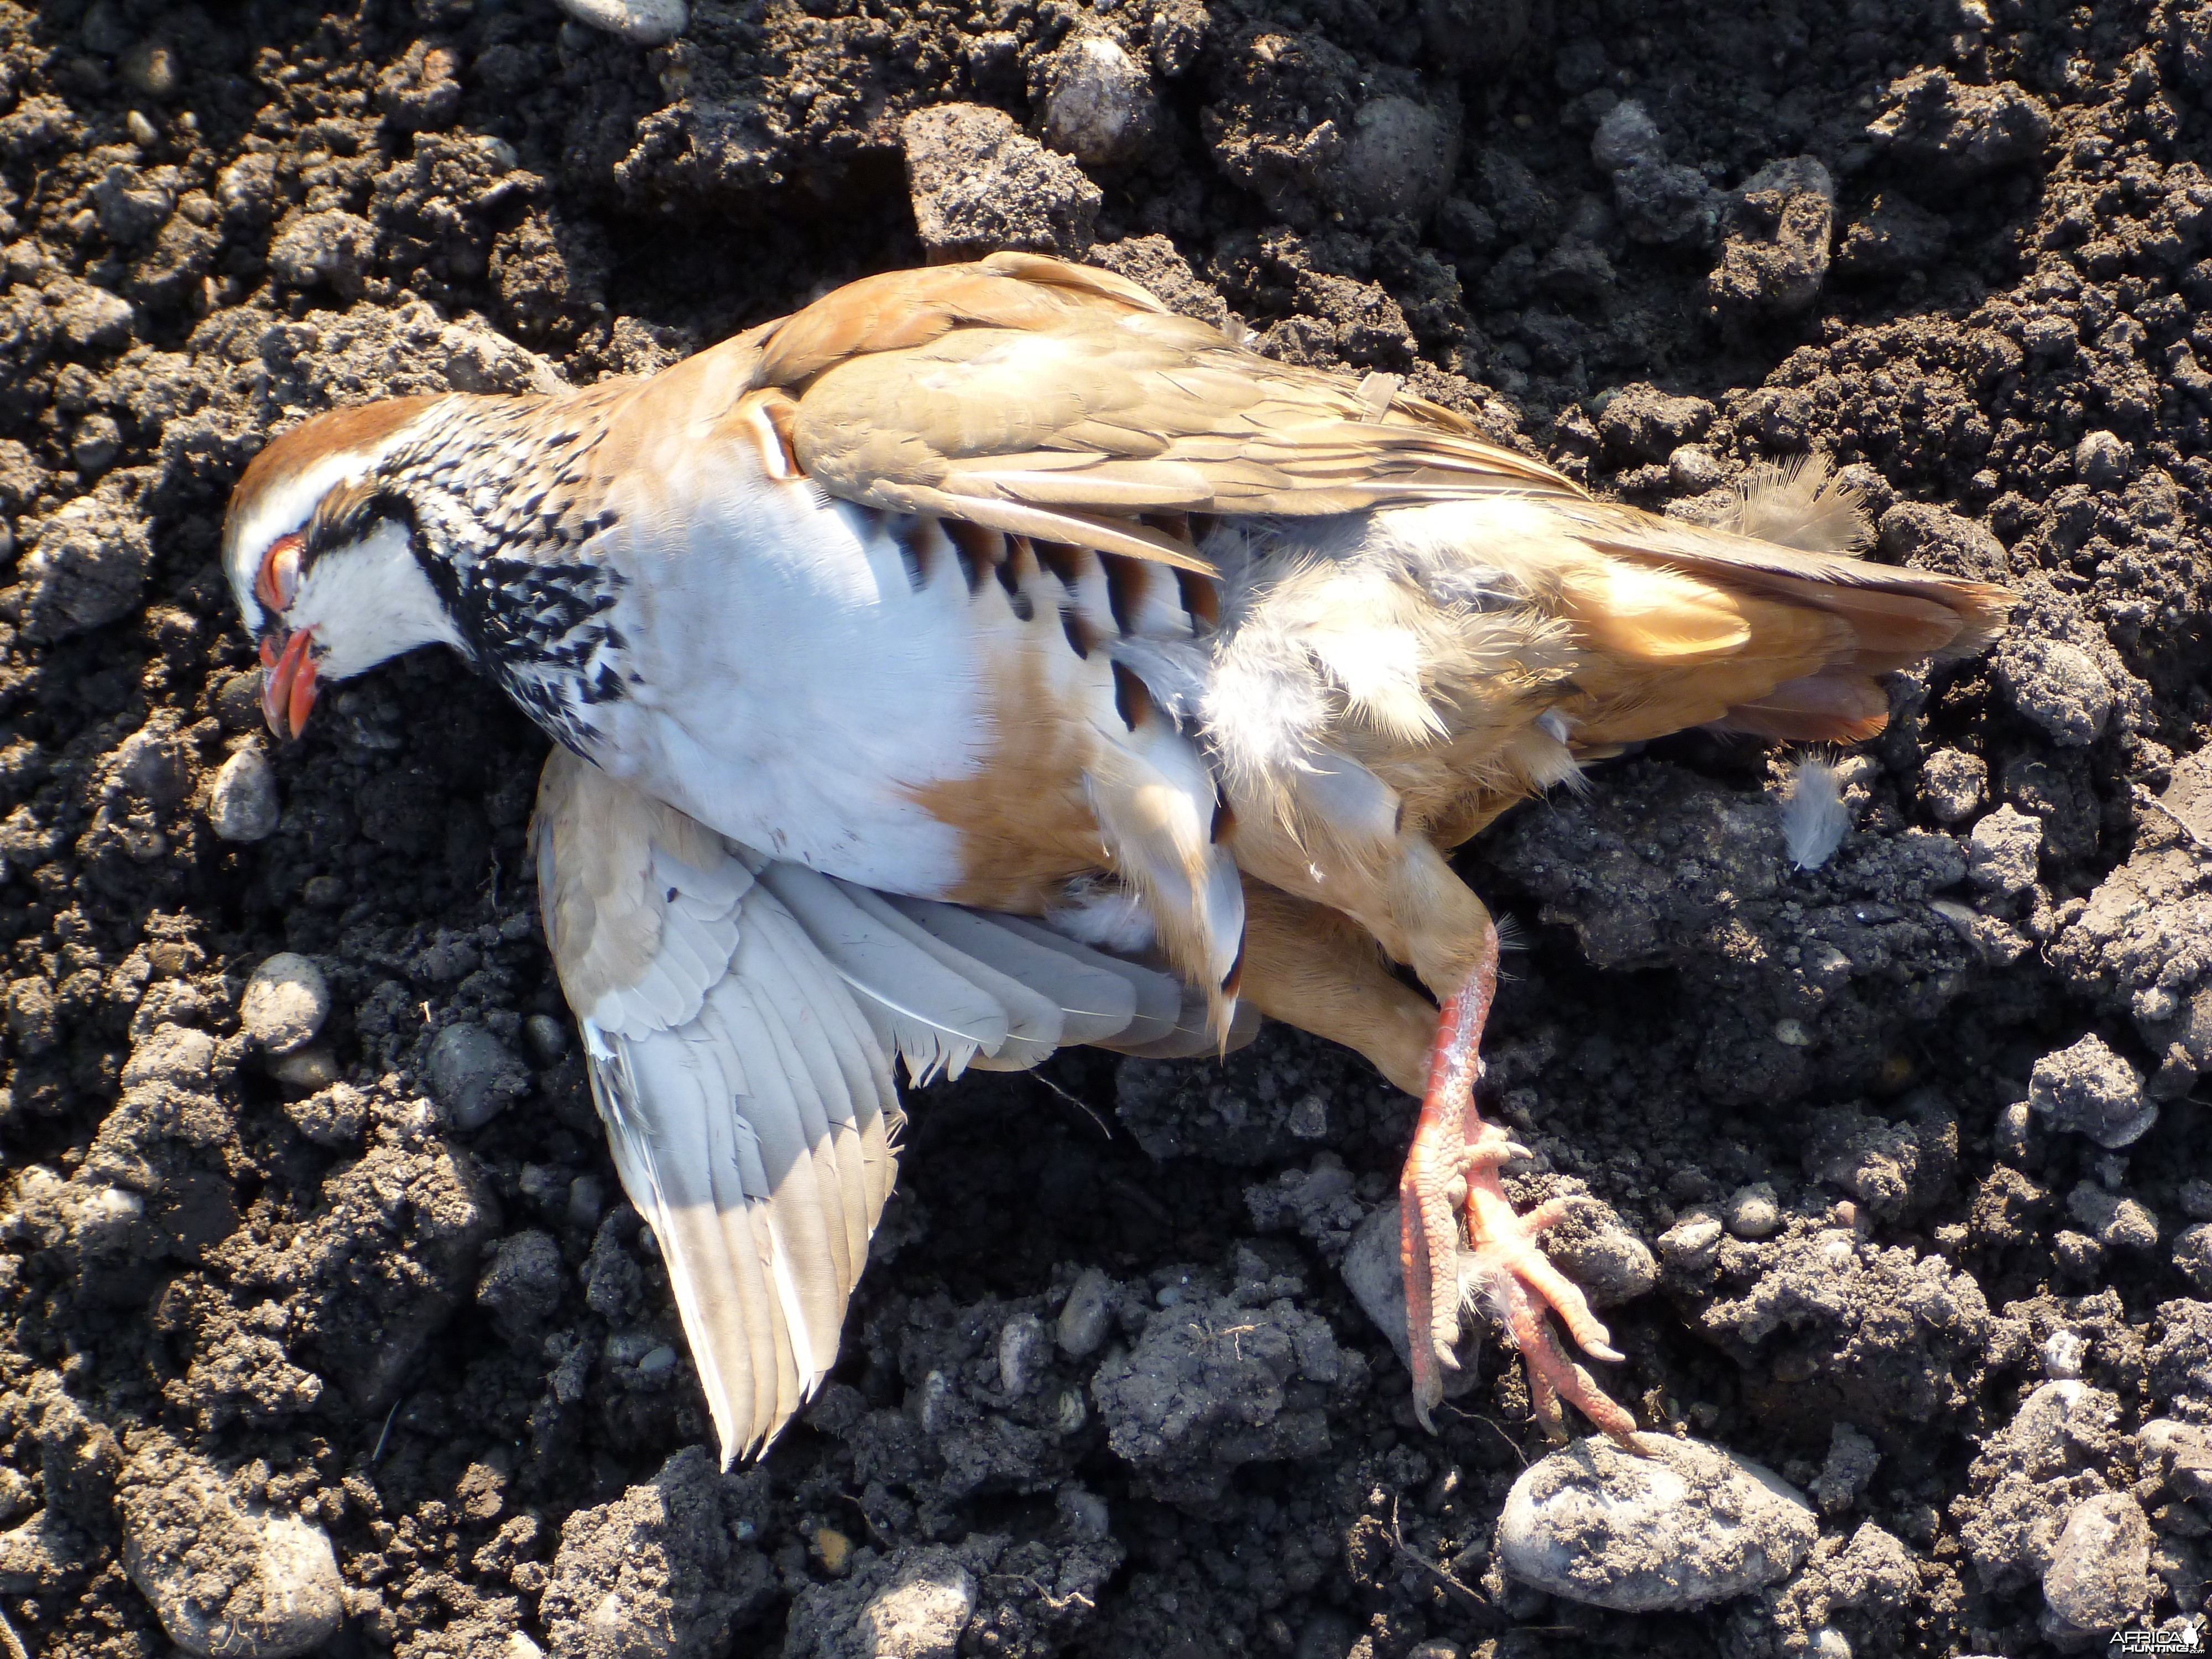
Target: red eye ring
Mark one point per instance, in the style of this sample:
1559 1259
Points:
276 584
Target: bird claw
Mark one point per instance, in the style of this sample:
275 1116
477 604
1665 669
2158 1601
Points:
1451 1176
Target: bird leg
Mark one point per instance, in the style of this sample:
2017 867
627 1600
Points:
1451 1174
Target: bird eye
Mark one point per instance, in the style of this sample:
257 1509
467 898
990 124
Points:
278 582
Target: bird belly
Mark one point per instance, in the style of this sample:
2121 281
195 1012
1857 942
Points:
843 689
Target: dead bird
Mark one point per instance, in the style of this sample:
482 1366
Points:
926 663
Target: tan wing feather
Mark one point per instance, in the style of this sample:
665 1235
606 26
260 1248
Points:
1047 399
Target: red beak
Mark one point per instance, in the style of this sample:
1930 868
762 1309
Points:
288 685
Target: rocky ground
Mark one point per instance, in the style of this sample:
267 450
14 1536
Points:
1890 1165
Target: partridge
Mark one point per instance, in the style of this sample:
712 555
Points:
985 658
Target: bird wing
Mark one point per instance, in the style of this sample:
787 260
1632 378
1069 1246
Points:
1050 400
740 1019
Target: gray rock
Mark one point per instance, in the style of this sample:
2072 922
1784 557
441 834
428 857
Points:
2103 459
2057 686
1850 1463
546 1038
2116 1222
308 1070
2091 1091
2004 852
221 1576
1776 256
657 1574
1751 1211
1893 236
330 249
1959 130
96 443
640 23
87 568
332 1116
474 1075
1955 784
1593 1245
242 805
1684 1526
1626 136
285 1003
1694 468
153 764
1024 1350
1098 105
1397 162
1374 1272
913 1604
172 1054
1693 1244
2192 1256
2099 1575
1086 1316
522 1287
979 183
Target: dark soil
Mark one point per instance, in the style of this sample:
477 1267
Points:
445 1349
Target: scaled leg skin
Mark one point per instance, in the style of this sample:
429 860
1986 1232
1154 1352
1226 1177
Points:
1452 1170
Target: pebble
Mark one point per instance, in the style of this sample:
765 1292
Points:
640 23
1954 784
474 1075
2092 1091
1751 1211
1693 1243
2057 686
1374 1272
285 1003
2102 459
1098 105
1085 1314
274 1591
1684 1526
2192 1255
308 1070
242 806
587 1200
1023 1349
2099 1578
546 1038
331 1116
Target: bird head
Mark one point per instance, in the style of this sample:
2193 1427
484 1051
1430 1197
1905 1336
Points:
322 554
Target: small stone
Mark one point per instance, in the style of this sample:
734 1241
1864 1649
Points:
2103 459
285 1003
2116 1222
1374 1271
2192 1256
242 803
1626 135
587 1200
546 1038
2091 1091
2099 1575
640 23
306 1070
914 1605
1693 1244
96 443
174 1055
2004 852
1751 1211
1953 783
474 1075
1851 1460
1023 1351
979 183
2064 1355
332 1116
222 1576
1398 162
149 67
522 1287
1084 1316
1098 105
87 568
2057 686
1593 1245
1684 1526
1693 469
